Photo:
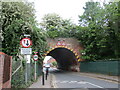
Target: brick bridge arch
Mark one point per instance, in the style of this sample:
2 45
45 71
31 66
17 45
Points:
68 45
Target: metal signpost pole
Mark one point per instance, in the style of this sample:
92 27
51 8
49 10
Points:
26 80
35 57
35 71
28 67
26 51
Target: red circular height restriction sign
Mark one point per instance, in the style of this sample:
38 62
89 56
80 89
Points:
26 42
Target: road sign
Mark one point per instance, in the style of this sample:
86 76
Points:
26 42
35 57
63 43
60 43
26 51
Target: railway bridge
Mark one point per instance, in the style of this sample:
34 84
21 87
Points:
66 51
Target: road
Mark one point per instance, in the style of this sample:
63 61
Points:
75 80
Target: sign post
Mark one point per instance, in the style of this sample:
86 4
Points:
26 51
35 57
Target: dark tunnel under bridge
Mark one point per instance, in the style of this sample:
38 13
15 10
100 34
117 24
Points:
64 57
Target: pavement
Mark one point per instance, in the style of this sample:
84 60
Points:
49 83
39 84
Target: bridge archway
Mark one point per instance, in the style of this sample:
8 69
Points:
64 56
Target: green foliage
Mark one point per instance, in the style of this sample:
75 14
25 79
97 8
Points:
18 18
99 31
55 26
18 79
54 63
18 83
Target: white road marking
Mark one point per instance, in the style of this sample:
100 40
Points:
64 81
95 85
79 82
82 82
57 81
73 82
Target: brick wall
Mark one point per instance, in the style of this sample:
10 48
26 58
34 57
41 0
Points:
5 70
70 42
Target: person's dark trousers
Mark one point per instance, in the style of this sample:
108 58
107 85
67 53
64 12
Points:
47 71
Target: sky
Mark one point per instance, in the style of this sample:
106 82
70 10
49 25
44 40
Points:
67 9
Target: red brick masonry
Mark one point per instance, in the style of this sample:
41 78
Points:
5 70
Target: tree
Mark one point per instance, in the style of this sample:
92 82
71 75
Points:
18 18
90 28
55 26
95 32
112 15
51 22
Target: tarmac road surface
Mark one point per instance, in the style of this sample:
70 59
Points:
74 80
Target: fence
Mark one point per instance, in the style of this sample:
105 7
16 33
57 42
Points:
5 70
103 67
18 79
